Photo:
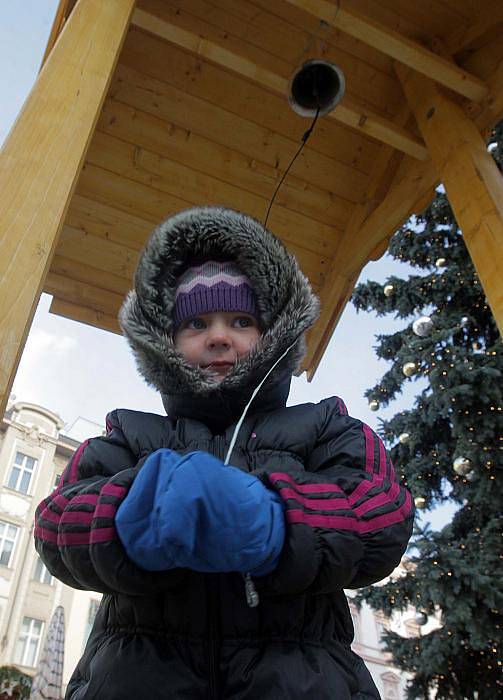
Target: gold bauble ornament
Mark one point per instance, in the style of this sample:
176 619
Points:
476 345
374 405
404 438
409 369
388 290
462 465
420 502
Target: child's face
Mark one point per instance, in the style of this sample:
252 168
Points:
216 341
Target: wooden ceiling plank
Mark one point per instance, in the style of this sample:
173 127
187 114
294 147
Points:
89 274
102 220
81 314
354 116
471 178
397 46
489 14
308 33
82 294
128 196
78 245
183 146
162 174
267 40
259 144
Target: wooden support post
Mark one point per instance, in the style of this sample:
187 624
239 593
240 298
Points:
41 161
469 174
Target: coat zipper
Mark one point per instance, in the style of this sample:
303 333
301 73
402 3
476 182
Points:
213 605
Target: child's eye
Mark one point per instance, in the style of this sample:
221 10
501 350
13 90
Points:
196 324
243 322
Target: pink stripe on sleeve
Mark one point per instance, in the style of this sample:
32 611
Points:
79 517
103 534
50 516
90 499
60 501
75 464
336 522
47 535
316 503
113 490
305 488
377 501
105 510
382 521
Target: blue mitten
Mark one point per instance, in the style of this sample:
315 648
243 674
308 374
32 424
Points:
194 512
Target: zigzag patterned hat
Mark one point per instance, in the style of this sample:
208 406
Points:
210 287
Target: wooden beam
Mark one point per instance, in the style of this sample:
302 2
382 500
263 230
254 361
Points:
41 159
387 204
82 314
338 286
394 44
348 113
470 176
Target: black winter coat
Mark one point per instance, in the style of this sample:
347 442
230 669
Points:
183 634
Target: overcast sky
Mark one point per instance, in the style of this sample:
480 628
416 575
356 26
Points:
78 371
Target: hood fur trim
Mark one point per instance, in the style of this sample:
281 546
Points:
286 304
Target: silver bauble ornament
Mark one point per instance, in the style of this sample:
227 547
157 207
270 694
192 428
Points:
404 438
462 465
441 262
465 321
471 476
422 326
409 369
388 290
421 618
420 502
374 405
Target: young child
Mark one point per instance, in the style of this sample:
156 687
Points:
223 581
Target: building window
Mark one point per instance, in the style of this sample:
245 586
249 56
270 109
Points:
91 616
8 536
21 472
42 573
29 640
56 480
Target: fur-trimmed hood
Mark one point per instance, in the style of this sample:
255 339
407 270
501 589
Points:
286 304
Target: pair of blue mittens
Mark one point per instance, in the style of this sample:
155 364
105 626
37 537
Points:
194 512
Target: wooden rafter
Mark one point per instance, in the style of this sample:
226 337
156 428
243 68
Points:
348 112
471 178
396 45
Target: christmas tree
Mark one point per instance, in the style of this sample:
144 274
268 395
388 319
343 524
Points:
447 447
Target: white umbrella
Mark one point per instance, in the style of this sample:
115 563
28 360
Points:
47 683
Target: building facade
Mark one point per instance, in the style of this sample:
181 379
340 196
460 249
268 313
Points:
33 453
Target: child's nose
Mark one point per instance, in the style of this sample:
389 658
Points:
218 337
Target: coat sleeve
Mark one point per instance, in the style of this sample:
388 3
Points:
348 519
75 532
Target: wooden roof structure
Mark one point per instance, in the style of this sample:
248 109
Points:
144 108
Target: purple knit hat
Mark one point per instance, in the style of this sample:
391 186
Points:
213 286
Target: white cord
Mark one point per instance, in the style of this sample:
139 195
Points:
255 392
